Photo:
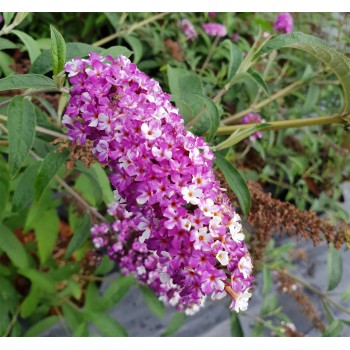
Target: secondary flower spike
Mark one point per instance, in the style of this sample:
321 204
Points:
284 22
174 228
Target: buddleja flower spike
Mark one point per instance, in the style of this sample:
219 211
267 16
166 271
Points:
174 228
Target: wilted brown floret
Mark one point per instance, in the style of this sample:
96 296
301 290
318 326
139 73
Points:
268 216
289 332
289 286
174 49
77 152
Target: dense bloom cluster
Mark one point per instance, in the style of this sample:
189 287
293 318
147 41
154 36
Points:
188 29
253 118
284 23
174 227
214 29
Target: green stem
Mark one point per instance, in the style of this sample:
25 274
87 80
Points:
244 66
272 57
41 129
289 188
285 124
32 92
129 30
209 56
281 93
12 322
73 193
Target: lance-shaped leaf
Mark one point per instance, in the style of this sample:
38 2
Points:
235 181
49 168
26 81
21 126
336 61
334 267
58 50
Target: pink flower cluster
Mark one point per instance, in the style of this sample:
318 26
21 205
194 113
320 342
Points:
284 22
215 29
253 118
188 29
174 227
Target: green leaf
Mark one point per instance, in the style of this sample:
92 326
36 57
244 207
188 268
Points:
107 325
58 50
239 135
38 209
81 330
206 115
31 45
4 185
235 181
115 51
73 289
346 294
41 326
113 19
46 233
21 127
258 79
13 248
8 16
116 292
9 297
334 267
88 185
152 302
235 58
26 81
81 234
334 330
65 272
175 324
236 328
328 312
287 40
267 281
9 300
42 64
6 64
41 279
346 322
258 330
106 265
49 107
136 46
31 301
336 61
6 44
104 183
73 317
92 300
48 170
24 191
182 82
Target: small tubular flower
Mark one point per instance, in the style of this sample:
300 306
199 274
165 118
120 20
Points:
174 228
215 29
188 29
253 118
284 22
